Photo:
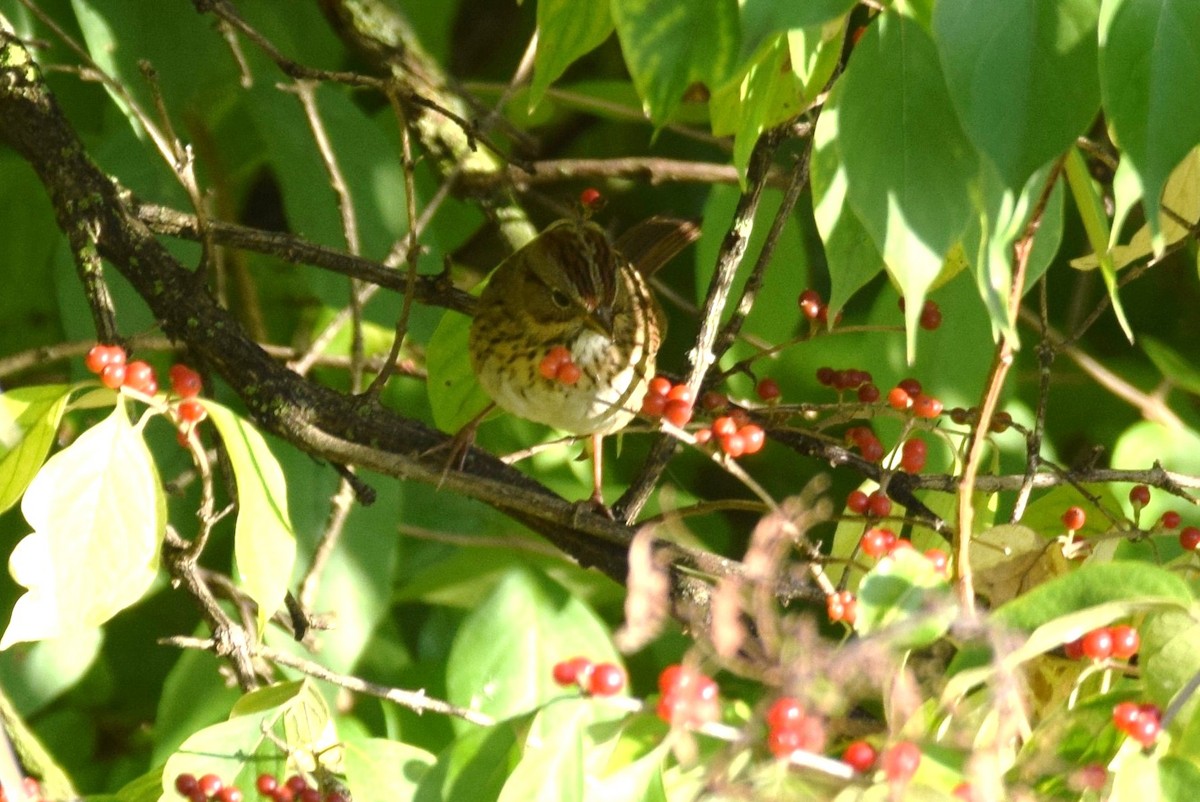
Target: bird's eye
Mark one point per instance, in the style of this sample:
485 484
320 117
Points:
560 298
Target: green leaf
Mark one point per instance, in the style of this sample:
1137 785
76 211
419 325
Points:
669 46
1095 223
1022 76
850 253
551 769
379 770
1169 654
98 517
566 30
907 598
249 743
639 781
499 663
1141 777
29 418
909 166
455 395
1090 585
1149 70
264 543
474 766
764 19
1174 367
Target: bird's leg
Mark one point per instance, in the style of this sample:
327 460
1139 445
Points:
458 446
597 499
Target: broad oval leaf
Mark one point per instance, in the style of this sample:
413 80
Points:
98 517
907 599
455 395
567 29
501 658
1149 71
379 770
1022 76
264 541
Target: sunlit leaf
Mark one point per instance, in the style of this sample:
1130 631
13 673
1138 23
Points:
98 517
567 29
29 418
905 597
379 770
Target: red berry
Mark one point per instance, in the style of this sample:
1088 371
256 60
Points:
266 784
283 794
1074 649
703 436
900 761
1090 777
297 784
783 742
112 375
724 426
309 795
184 381
571 671
753 436
940 560
912 455
841 606
872 450
899 399
768 390
591 198
926 406
191 411
209 785
931 316
1125 715
811 304
868 393
568 373
860 756
856 502
671 677
1171 519
879 505
711 401
965 791
680 392
659 385
1139 496
1126 641
1074 518
825 376
734 445
1189 538
1146 730
910 386
653 404
555 358
335 796
230 793
877 542
139 376
1098 644
678 413
100 356
185 784
607 680
785 713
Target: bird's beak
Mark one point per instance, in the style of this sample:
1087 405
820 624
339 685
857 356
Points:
601 321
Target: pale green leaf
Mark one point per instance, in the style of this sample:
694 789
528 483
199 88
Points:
1149 72
905 598
551 768
501 654
567 29
264 541
455 395
379 770
1095 223
669 46
1173 366
29 418
909 166
764 19
1022 76
98 517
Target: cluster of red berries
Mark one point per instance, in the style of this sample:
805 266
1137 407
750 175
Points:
791 729
814 307
670 401
557 365
879 542
1142 723
931 314
1121 642
210 788
875 505
850 379
907 395
595 679
736 436
109 363
842 606
187 384
33 790
689 697
868 444
1001 421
